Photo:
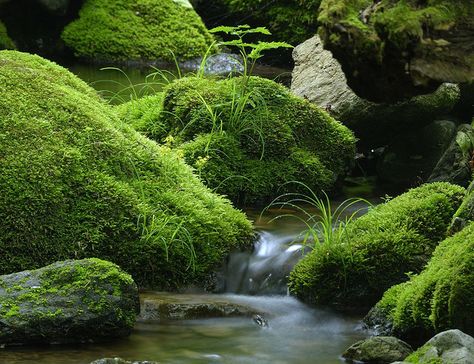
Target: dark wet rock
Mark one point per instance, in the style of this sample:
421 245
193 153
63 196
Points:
260 320
411 157
378 350
448 347
319 78
454 166
72 301
121 361
165 306
392 50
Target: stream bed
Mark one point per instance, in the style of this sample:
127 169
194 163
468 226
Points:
296 333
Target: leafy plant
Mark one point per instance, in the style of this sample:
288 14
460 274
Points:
250 52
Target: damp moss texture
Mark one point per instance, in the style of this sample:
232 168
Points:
146 30
246 137
378 249
439 298
76 183
71 301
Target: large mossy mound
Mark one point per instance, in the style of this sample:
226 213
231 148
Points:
439 298
76 182
246 144
400 45
378 249
5 40
147 30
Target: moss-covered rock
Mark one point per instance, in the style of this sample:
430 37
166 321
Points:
76 182
67 302
145 30
5 40
439 298
378 249
378 350
391 48
246 144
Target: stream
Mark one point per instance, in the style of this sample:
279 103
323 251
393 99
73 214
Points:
296 333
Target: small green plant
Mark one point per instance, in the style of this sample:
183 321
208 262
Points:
324 225
233 116
250 52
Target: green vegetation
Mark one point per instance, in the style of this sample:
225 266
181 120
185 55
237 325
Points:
326 226
76 182
439 298
293 21
137 30
5 40
245 145
379 249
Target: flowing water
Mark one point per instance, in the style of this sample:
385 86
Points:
296 333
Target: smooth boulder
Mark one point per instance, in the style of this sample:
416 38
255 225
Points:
73 301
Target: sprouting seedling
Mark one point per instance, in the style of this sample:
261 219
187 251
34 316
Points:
250 52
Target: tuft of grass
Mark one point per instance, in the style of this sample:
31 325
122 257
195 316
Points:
326 226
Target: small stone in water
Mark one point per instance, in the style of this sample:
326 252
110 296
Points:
260 321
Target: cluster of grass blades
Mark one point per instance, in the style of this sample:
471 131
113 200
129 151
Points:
324 225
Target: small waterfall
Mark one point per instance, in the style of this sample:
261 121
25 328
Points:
265 270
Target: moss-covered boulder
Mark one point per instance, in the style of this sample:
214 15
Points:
72 301
76 182
146 30
439 298
246 136
391 49
5 40
378 249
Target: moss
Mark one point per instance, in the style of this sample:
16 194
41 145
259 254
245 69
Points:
137 30
78 183
5 40
381 247
439 298
246 145
417 356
